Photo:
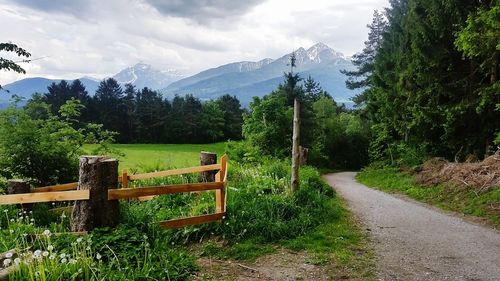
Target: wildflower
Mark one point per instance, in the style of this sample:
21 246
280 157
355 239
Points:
5 211
11 231
37 253
63 255
51 257
50 248
64 260
11 220
8 255
72 261
45 254
79 240
88 248
47 233
98 256
6 262
17 261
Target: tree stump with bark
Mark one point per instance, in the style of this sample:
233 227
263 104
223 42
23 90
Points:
97 174
17 186
208 158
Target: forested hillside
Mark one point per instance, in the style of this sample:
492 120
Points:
429 75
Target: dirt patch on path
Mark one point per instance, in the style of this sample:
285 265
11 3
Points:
413 242
283 265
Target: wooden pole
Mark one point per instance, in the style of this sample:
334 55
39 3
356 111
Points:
17 186
97 174
295 146
207 158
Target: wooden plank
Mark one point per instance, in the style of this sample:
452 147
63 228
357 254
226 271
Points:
174 172
192 220
220 194
127 193
54 196
59 187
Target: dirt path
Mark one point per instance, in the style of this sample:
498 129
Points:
415 242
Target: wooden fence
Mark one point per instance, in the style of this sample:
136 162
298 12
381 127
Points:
68 192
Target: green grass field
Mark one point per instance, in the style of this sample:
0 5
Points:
146 157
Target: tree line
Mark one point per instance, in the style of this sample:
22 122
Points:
429 78
144 116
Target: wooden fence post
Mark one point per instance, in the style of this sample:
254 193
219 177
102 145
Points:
207 158
17 186
303 155
220 194
124 179
97 174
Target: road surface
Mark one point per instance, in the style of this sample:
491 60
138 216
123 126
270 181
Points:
416 242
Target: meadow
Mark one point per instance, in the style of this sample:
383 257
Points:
142 157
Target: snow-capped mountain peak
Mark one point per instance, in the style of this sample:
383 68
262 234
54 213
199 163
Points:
145 75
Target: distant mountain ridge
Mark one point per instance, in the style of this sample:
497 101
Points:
243 79
247 79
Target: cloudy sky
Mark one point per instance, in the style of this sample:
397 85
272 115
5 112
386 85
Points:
99 38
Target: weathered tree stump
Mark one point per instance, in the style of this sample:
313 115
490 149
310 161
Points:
303 155
17 186
97 174
208 158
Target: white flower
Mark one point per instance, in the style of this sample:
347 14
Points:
17 261
8 255
47 233
98 256
6 262
52 256
79 240
50 248
11 220
37 253
11 231
45 254
72 261
63 255
88 248
64 260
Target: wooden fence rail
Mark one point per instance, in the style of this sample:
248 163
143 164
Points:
67 192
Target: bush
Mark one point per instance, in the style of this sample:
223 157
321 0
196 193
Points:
41 147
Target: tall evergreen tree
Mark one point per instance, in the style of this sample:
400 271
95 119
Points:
108 104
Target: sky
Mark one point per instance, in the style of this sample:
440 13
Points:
97 38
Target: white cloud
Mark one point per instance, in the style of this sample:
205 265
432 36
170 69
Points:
99 38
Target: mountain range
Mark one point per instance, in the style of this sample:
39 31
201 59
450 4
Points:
243 79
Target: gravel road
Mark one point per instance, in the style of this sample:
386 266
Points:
416 242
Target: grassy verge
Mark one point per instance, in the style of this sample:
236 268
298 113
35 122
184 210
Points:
463 200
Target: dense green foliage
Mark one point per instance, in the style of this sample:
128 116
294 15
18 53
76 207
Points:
144 116
433 87
463 200
336 137
42 147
